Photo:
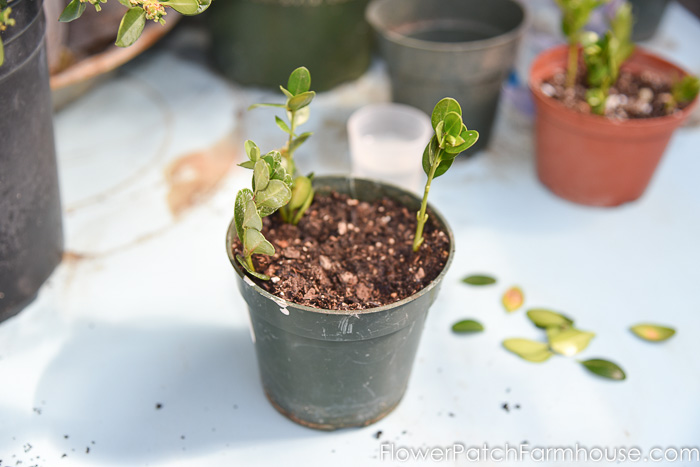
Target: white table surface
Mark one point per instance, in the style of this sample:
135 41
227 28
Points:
144 309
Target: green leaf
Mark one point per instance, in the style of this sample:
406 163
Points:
286 93
299 140
251 218
283 126
453 124
527 349
512 299
569 341
467 326
2 52
261 176
469 136
300 101
185 7
444 166
653 332
276 195
442 108
247 164
72 11
131 26
255 106
479 279
544 318
203 5
604 368
239 210
254 242
126 3
429 154
252 150
301 191
251 271
299 81
301 116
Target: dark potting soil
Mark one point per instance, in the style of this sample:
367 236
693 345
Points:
347 254
645 95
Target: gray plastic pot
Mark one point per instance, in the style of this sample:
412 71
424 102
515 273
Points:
331 369
31 237
458 48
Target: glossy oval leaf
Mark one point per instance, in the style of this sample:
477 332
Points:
429 154
532 351
299 81
252 150
239 209
276 195
570 341
467 326
131 26
300 117
261 176
185 7
255 242
544 318
470 137
604 369
301 100
513 299
251 218
653 332
283 125
301 191
443 166
442 108
479 279
252 272
72 11
452 124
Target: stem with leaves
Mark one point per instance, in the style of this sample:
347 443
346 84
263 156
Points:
297 110
575 15
139 11
604 56
451 138
270 191
5 21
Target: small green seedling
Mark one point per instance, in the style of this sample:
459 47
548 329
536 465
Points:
299 97
139 11
5 21
451 138
270 191
605 55
575 15
683 91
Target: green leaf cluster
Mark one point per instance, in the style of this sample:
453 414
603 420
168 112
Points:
574 17
563 339
299 96
605 55
138 12
450 139
5 21
270 191
683 91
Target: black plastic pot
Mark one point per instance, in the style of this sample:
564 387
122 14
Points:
330 369
31 237
260 42
647 16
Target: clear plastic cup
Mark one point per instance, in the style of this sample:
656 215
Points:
387 143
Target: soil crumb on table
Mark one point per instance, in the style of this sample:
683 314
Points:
347 254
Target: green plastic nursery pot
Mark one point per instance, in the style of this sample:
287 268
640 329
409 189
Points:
590 159
329 369
459 48
31 236
259 42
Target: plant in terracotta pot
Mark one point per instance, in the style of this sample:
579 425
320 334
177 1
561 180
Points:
600 135
337 302
31 235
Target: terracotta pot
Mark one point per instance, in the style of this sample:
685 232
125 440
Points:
593 160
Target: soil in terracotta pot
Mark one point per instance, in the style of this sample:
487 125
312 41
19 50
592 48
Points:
634 96
347 254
